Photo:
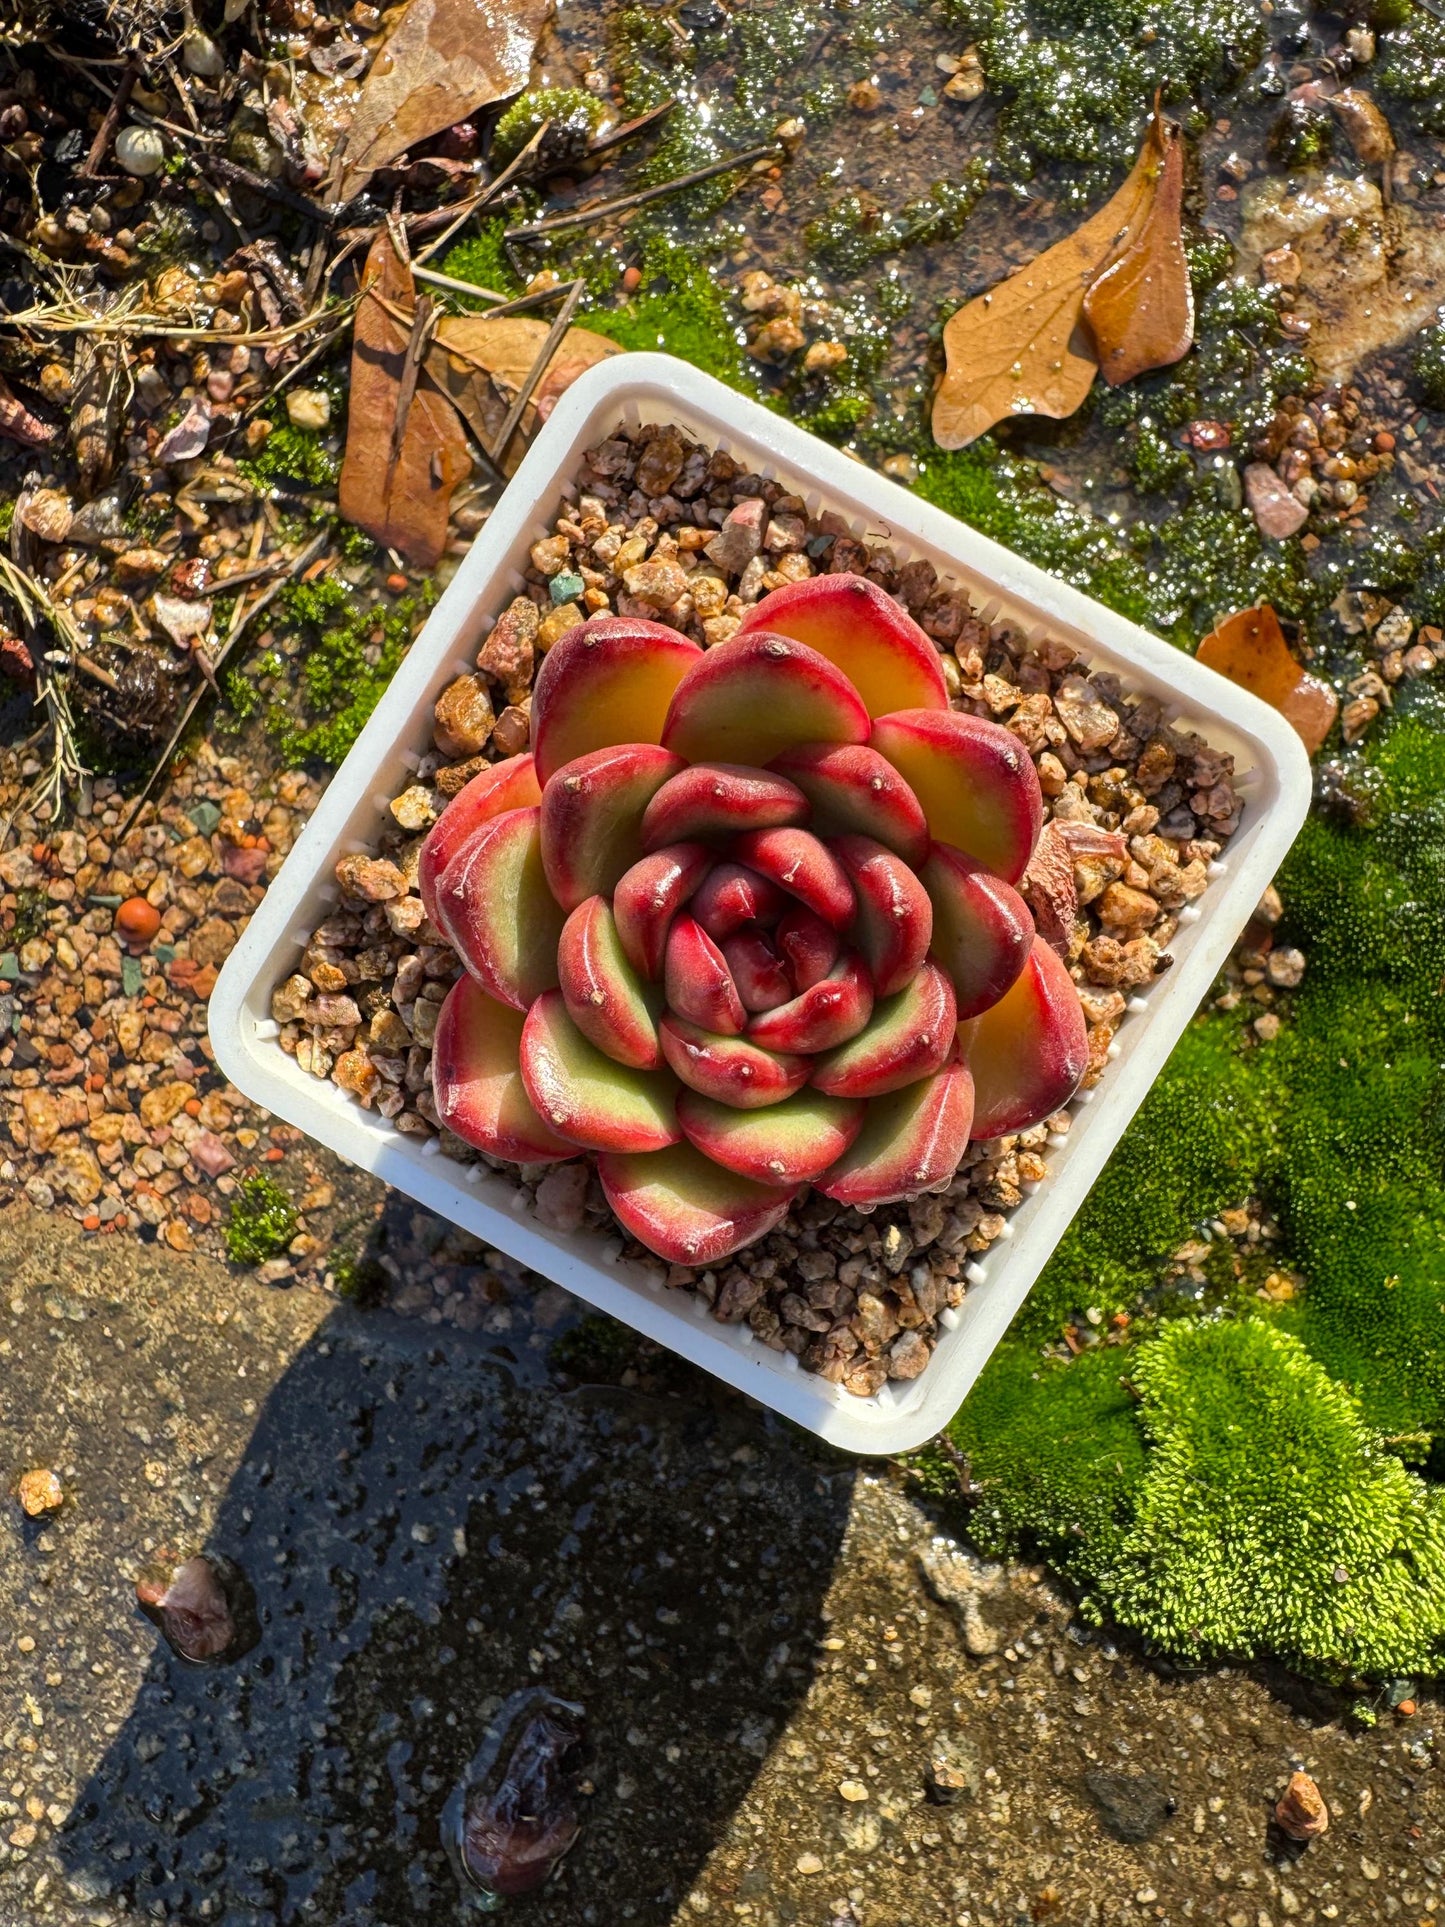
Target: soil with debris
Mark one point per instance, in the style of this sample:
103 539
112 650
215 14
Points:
659 526
883 1732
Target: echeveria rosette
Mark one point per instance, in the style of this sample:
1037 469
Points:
745 920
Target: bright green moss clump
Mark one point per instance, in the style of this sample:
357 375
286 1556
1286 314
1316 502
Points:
1195 1148
262 1223
680 308
1057 1454
1270 1519
575 116
295 455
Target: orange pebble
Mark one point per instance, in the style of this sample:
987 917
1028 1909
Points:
395 583
90 1222
136 922
274 1155
631 279
1406 1709
193 1107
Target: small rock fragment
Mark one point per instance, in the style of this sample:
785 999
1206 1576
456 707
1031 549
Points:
39 1492
140 151
308 408
740 538
464 718
658 582
189 436
372 878
1301 1811
1277 512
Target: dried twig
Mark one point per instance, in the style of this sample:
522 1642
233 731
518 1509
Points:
66 772
423 326
105 133
628 130
63 320
458 287
584 216
274 191
453 217
535 372
239 624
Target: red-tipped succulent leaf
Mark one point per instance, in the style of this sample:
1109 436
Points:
511 785
862 631
756 695
1028 1051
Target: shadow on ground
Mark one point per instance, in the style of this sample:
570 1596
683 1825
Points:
426 1532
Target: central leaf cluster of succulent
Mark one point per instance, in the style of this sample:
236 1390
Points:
745 920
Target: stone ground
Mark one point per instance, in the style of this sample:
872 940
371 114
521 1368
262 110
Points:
432 1521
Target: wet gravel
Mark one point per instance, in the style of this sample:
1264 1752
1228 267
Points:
769 1702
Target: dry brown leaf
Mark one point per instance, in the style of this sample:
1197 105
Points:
442 60
402 503
481 363
1250 649
1020 349
1141 308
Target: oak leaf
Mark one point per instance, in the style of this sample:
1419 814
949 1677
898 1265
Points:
1249 648
1022 349
441 61
399 497
482 363
1140 309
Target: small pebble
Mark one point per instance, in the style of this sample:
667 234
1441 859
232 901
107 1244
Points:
308 408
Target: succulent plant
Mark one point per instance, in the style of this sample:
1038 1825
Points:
745 920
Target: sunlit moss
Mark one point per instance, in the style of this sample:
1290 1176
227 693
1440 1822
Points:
262 1221
1270 1519
1412 63
1197 1146
574 113
680 308
1076 76
1003 498
351 650
296 455
1057 1453
482 260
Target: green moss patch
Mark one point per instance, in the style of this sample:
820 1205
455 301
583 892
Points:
1270 1518
262 1221
350 650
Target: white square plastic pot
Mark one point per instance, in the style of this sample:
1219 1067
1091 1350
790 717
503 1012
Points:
1272 773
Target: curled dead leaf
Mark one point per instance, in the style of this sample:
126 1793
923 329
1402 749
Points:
482 362
1249 648
442 60
1140 309
398 495
1021 348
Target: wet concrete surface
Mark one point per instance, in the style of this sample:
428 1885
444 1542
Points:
431 1521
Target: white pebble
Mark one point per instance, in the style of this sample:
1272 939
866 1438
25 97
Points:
140 151
308 408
